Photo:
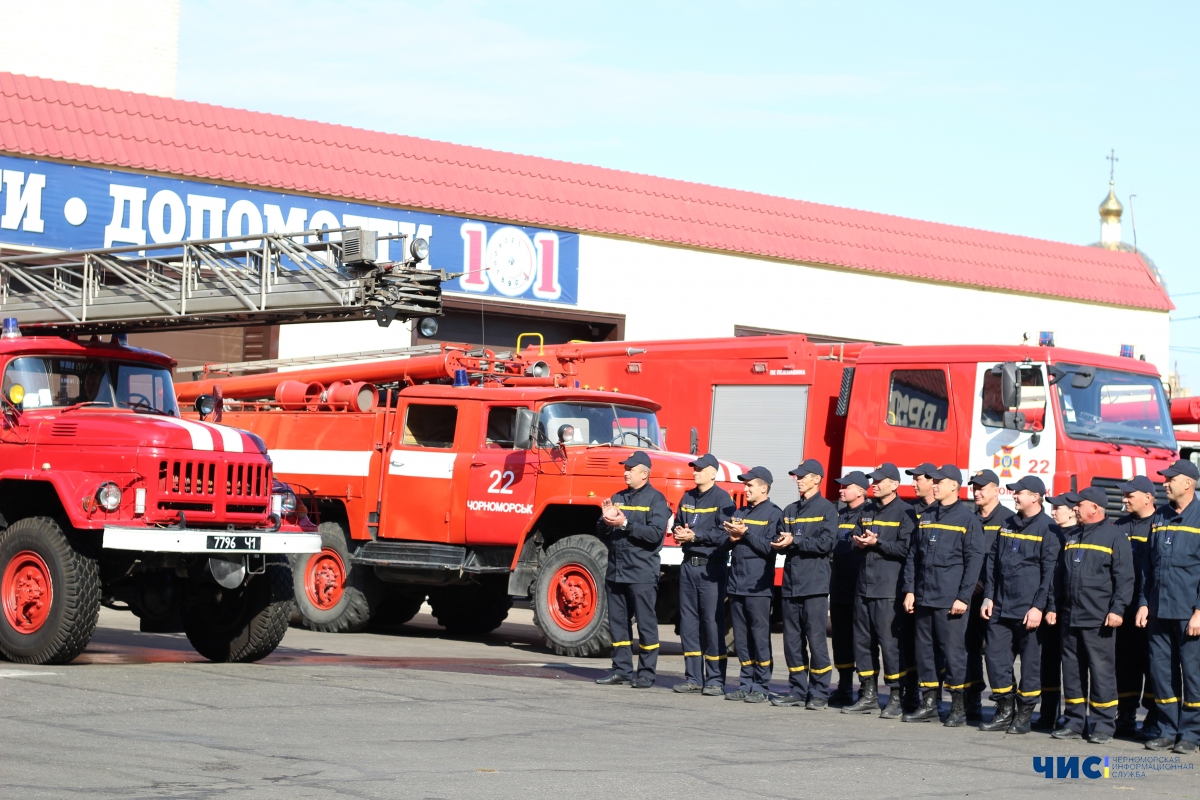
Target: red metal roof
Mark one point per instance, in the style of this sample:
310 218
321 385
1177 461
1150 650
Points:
84 124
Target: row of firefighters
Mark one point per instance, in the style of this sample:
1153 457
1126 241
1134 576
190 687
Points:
1102 615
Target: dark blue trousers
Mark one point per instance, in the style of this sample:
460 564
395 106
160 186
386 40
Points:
1007 639
941 638
1175 667
805 647
702 622
752 639
1089 670
877 631
626 600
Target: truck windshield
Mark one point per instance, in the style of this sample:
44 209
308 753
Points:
577 424
59 381
1119 407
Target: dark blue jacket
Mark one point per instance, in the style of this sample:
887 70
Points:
991 526
946 557
1019 569
813 525
847 557
1171 563
752 566
633 551
704 514
883 562
1094 576
1137 529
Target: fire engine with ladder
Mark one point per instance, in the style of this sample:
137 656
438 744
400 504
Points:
476 476
107 494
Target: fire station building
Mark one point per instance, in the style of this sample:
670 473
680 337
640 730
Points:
560 249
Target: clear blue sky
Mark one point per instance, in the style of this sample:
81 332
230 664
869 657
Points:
990 116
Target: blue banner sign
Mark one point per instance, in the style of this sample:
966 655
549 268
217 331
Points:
64 207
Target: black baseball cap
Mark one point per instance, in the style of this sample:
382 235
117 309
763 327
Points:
1181 467
855 478
706 460
947 471
885 471
1058 500
1031 483
809 466
1139 484
924 468
638 459
984 477
762 473
1093 493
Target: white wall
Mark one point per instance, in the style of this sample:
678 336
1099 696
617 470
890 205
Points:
117 44
673 293
670 293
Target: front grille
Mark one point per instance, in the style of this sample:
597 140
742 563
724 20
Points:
1114 507
209 486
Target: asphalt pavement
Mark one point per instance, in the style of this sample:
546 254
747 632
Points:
411 713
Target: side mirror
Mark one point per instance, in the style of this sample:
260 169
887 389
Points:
205 405
524 430
694 443
1010 384
1083 377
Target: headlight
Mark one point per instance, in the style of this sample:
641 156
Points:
108 495
284 503
419 249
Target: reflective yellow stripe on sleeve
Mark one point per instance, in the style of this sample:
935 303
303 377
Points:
755 521
1185 528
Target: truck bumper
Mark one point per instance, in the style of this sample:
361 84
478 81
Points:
198 540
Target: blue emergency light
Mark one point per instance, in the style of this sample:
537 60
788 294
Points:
11 329
1126 351
460 378
1046 339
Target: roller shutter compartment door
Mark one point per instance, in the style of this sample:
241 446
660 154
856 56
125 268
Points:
761 426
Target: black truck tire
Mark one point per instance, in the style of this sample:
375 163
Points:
243 624
570 607
51 594
473 609
332 594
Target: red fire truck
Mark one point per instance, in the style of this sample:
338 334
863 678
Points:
107 495
458 476
1075 418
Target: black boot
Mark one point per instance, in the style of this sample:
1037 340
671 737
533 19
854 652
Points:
843 695
958 711
1020 723
893 709
927 710
974 704
912 693
868 700
1004 714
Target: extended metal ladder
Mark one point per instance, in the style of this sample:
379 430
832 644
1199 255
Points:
299 276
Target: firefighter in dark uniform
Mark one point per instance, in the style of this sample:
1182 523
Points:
1063 515
1092 589
986 488
887 528
846 559
1019 576
1134 686
1169 606
923 488
940 572
633 525
751 582
699 527
807 533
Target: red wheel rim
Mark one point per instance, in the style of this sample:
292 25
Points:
325 579
572 597
27 592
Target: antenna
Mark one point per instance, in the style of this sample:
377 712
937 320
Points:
1133 222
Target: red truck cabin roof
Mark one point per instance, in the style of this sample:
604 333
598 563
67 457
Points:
533 394
54 345
974 353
